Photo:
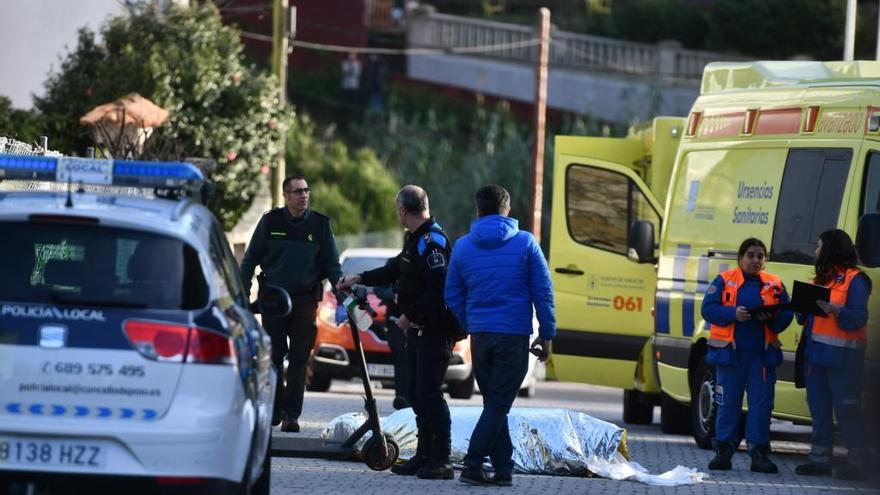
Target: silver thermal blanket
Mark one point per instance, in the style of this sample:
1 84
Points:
545 441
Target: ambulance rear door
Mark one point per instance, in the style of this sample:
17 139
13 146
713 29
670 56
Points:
603 299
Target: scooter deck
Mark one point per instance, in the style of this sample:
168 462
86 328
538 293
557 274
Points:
309 447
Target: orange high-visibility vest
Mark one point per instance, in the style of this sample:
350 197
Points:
825 328
722 336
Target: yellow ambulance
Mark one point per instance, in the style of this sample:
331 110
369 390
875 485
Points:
641 225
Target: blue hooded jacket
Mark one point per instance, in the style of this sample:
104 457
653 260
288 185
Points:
497 273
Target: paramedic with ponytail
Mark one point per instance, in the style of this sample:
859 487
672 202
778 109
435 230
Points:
835 355
745 350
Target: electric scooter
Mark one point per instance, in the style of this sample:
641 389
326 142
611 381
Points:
380 451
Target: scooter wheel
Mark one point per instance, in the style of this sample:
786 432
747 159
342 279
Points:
377 460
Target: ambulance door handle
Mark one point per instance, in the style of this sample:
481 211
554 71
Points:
570 271
718 253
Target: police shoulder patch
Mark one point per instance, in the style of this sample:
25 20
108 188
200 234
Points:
712 289
436 259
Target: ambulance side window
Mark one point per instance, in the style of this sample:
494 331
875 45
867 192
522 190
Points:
601 205
871 195
809 201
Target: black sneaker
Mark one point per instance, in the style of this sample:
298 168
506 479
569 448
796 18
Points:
722 459
813 469
475 476
289 425
851 473
410 467
436 471
503 479
400 403
763 464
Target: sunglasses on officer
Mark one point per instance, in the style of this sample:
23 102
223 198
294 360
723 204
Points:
301 190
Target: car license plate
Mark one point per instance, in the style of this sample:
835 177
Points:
380 370
21 451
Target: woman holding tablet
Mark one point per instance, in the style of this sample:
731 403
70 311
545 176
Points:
745 350
835 355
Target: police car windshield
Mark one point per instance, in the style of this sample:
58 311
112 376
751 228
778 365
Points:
358 264
91 265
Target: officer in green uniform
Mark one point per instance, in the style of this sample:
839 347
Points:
295 249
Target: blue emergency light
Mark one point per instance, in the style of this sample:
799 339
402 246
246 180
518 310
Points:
126 173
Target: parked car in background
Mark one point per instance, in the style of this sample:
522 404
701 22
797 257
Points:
333 354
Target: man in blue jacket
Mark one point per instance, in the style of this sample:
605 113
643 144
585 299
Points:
497 274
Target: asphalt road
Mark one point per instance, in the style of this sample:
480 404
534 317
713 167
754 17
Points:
656 451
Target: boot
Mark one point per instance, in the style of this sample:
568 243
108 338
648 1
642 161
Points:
289 424
813 469
411 466
419 460
475 476
436 470
761 462
723 456
503 479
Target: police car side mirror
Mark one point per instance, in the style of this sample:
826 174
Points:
640 245
868 240
274 301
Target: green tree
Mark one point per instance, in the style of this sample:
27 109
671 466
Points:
779 29
22 125
650 21
353 189
186 61
451 148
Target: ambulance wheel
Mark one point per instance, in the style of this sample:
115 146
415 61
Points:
375 459
703 407
637 409
674 416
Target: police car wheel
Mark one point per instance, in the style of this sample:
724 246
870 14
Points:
377 460
263 483
703 408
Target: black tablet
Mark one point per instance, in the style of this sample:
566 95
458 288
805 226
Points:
804 297
772 308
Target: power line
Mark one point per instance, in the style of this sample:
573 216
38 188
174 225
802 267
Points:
400 51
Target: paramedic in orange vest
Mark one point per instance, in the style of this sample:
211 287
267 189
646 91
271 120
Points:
745 350
835 354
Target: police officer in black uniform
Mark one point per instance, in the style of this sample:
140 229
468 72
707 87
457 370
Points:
420 270
295 248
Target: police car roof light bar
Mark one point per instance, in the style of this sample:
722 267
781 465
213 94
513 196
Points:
125 173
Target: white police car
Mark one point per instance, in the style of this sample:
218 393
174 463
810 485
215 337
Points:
127 350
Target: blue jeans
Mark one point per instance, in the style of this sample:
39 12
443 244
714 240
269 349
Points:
500 363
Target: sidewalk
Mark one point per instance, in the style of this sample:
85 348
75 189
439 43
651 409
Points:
651 448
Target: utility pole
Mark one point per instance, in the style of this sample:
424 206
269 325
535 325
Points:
877 53
537 195
280 35
849 39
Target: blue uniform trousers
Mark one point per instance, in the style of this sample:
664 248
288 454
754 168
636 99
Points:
838 389
748 375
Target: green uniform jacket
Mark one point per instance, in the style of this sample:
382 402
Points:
294 253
